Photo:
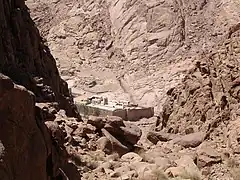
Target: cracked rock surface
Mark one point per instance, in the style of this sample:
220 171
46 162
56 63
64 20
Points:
134 50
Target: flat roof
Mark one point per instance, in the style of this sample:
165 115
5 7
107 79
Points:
111 106
105 107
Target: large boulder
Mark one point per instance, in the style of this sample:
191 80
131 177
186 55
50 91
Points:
131 157
104 144
24 146
186 168
117 146
154 136
207 155
190 140
131 132
122 135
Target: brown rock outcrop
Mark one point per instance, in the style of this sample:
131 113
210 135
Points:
28 74
121 135
27 60
24 145
29 148
190 140
208 97
206 106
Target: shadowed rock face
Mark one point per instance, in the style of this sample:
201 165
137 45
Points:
29 147
25 58
23 147
28 74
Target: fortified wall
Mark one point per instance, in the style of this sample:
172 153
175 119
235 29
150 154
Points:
100 106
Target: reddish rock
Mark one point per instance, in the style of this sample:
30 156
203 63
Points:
84 129
55 131
71 172
114 121
98 122
28 148
124 135
131 157
154 137
234 136
131 132
23 144
27 61
117 146
104 144
190 140
207 155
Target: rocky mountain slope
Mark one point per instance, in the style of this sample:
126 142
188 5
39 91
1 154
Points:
133 50
41 134
207 102
180 56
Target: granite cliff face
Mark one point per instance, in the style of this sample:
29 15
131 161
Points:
133 50
23 151
30 147
27 60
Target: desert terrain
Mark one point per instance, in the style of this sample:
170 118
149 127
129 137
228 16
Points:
180 57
